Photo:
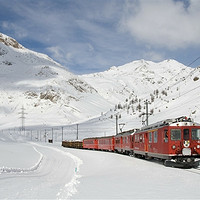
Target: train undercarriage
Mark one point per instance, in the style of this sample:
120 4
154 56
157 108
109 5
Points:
182 162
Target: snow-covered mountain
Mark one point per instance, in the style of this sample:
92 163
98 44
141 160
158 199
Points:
36 88
45 92
171 89
137 78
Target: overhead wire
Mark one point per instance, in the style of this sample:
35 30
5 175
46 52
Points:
170 86
176 76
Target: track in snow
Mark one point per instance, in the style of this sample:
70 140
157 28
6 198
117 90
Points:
55 177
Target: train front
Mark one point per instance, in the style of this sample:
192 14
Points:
184 143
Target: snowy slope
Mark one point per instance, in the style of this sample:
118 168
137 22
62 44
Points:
137 78
48 93
49 171
171 89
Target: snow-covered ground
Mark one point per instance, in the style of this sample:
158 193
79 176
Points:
51 103
36 170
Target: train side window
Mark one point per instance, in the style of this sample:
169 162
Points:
175 134
155 136
137 138
166 135
150 137
195 134
141 138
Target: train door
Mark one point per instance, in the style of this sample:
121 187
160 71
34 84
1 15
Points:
164 143
146 141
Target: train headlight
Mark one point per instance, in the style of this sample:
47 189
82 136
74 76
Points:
198 146
174 147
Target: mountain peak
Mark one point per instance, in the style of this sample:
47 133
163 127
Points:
8 41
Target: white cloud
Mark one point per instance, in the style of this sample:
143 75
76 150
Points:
165 23
55 51
19 31
153 56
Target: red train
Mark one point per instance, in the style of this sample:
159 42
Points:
176 141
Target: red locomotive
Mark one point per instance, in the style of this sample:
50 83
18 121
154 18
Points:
176 141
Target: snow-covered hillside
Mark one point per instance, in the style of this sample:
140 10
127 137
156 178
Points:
35 88
170 88
138 78
34 84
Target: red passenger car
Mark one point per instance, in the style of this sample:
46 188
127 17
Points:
106 143
127 142
90 143
124 142
177 141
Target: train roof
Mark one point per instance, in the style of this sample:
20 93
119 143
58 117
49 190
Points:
129 132
100 137
180 121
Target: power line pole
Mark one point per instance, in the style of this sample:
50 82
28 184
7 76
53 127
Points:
22 118
116 124
147 112
62 133
52 134
45 136
117 117
77 132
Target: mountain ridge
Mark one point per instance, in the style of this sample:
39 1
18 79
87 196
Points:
43 87
51 95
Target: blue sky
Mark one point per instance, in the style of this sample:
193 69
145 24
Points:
88 36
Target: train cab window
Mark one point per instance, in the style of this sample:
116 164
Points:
175 134
186 135
166 135
195 134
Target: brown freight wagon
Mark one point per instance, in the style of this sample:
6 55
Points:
72 144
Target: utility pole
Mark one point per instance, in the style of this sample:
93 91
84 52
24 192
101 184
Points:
116 124
117 117
45 136
77 132
147 112
62 133
52 135
22 118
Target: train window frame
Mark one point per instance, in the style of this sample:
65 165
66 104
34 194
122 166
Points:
166 136
117 141
155 136
150 137
137 138
141 138
195 137
174 136
186 134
